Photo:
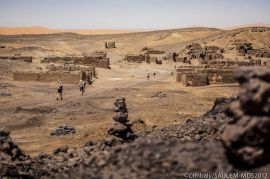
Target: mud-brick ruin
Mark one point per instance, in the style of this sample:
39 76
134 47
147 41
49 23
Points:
246 49
110 45
68 74
149 56
196 51
17 58
259 29
97 61
215 71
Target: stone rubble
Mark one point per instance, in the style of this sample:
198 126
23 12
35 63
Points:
63 130
5 93
159 94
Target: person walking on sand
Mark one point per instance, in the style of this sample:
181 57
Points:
59 91
82 85
148 76
154 74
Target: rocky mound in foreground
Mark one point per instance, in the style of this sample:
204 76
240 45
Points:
194 146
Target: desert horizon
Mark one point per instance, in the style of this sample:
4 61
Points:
20 30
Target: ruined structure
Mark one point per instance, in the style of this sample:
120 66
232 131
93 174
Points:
259 29
97 61
99 54
196 51
17 58
110 45
217 71
136 58
68 78
199 76
150 56
246 49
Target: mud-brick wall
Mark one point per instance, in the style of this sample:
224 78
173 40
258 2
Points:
67 78
101 63
97 62
181 71
135 58
19 58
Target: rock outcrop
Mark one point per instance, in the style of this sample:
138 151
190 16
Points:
246 137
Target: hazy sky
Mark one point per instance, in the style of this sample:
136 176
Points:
133 14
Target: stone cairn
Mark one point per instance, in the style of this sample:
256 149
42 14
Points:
121 127
247 136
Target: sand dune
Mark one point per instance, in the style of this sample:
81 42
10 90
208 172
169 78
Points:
44 30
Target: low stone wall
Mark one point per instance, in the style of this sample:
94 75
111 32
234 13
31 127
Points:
195 80
67 78
19 58
110 45
135 58
214 75
86 60
154 52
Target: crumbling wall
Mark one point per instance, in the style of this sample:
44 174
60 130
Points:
135 58
214 75
18 58
67 78
151 51
99 62
110 45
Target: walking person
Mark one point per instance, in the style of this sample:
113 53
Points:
148 76
59 91
154 74
82 85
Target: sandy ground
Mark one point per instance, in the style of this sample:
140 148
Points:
91 114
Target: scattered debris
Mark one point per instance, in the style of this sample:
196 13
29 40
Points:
63 130
159 94
5 93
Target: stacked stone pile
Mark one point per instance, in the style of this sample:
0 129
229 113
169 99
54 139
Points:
122 126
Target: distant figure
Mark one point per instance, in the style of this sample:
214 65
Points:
154 74
148 76
82 85
171 73
59 91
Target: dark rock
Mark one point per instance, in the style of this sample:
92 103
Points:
246 137
63 130
4 132
159 94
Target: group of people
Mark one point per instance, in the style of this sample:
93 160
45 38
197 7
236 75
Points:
60 89
148 75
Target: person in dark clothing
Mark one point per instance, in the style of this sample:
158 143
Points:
60 91
148 76
154 74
